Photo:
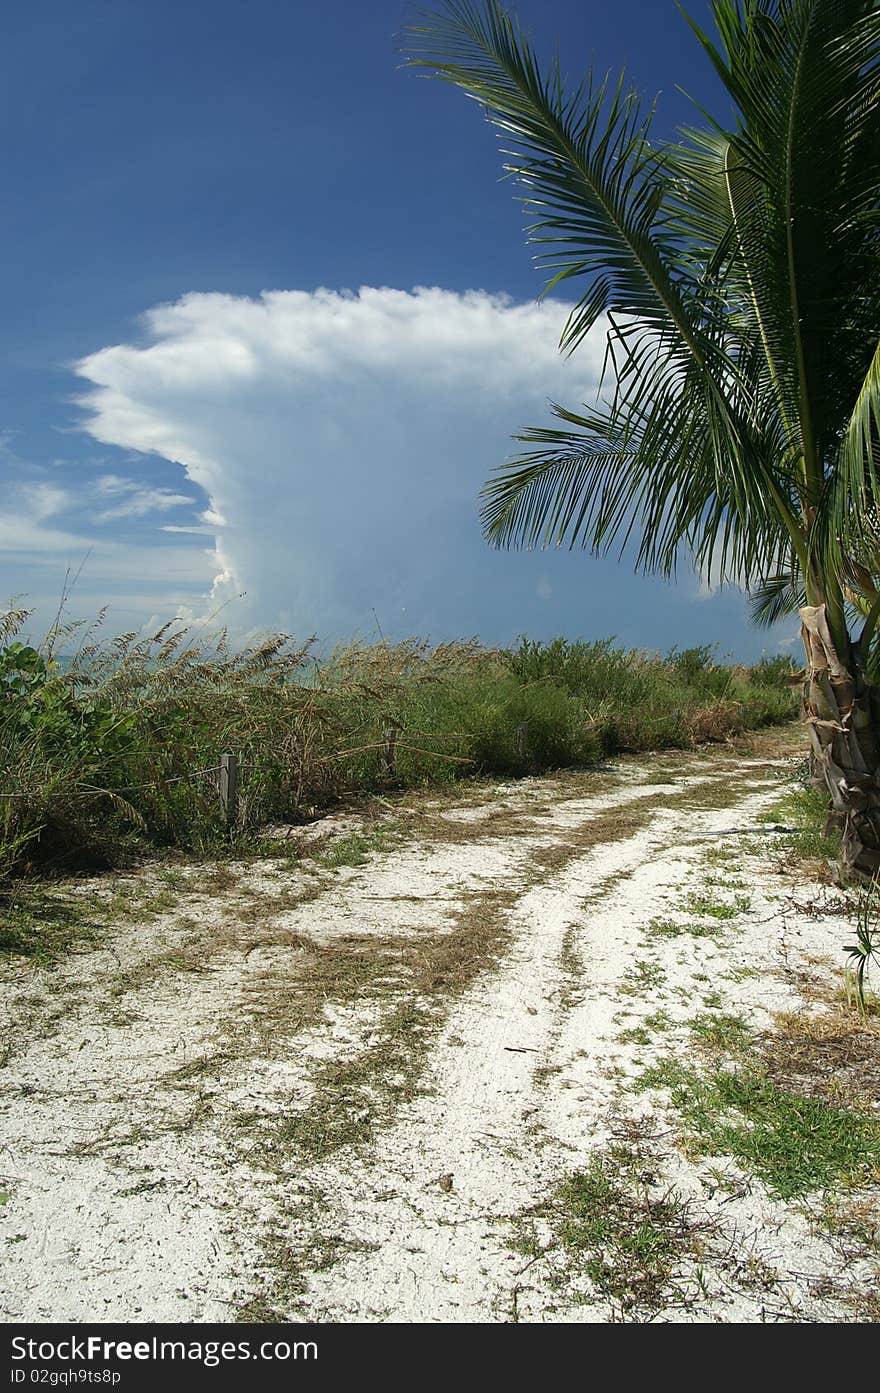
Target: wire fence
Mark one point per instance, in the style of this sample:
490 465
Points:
231 767
89 790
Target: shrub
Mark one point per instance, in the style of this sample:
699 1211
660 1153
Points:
118 744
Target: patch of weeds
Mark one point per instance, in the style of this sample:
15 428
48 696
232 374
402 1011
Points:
793 1144
356 849
809 845
853 1225
221 876
172 878
658 1021
855 1220
716 909
723 882
613 1229
720 855
642 977
673 928
865 1304
643 1034
636 1035
723 1033
42 923
742 973
355 1095
832 1054
162 902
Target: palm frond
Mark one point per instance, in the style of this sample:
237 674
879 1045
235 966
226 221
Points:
609 212
806 171
585 165
736 275
775 598
858 464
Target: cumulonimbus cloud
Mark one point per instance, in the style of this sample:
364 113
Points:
341 440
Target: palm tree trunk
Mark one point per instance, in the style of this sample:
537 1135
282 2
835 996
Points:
842 711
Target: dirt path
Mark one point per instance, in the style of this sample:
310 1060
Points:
462 1080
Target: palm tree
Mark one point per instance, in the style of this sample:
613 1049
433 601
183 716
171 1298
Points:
737 275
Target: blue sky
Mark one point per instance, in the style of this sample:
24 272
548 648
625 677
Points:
307 458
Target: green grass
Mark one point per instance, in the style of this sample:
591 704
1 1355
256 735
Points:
635 1035
609 1225
715 909
794 1144
43 922
805 810
672 928
641 977
106 752
721 1031
356 849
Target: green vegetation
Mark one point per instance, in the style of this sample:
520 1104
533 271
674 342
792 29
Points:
41 922
611 1225
865 952
794 1144
805 811
722 1031
116 749
733 272
357 849
813 843
661 927
716 909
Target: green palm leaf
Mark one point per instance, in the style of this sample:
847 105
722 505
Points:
735 275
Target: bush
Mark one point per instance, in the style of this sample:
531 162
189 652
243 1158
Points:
118 745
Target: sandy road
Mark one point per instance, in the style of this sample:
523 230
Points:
310 1090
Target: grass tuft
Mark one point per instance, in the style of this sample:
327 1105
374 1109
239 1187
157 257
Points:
794 1144
611 1232
110 749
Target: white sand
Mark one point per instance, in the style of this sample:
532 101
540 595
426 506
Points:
132 1099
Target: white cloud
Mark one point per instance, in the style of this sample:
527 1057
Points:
41 501
199 529
342 441
136 500
42 550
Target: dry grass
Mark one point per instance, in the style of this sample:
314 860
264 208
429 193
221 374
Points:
833 1054
115 749
353 1096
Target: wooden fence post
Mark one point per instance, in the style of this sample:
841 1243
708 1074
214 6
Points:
522 739
229 789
